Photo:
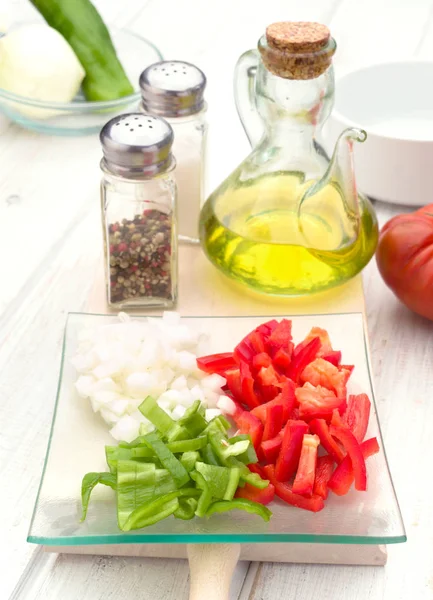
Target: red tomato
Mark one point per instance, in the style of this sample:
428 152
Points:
405 259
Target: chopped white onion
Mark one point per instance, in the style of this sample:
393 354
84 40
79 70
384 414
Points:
213 382
211 413
178 412
120 364
84 385
226 405
126 429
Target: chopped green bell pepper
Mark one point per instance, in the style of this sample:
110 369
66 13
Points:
248 457
187 508
205 498
168 459
187 445
157 510
222 481
89 482
188 459
240 504
209 456
163 422
193 420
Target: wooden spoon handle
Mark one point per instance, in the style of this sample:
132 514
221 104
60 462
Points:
211 570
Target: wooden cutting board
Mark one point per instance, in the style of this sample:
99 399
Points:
203 291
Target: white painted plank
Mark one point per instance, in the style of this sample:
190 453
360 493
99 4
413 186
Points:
51 577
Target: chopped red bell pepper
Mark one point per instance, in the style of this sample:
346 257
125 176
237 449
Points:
286 398
301 357
320 428
252 344
273 422
343 476
217 363
268 382
346 368
323 373
271 448
250 425
317 402
304 480
290 452
357 415
249 395
294 415
337 419
267 376
261 360
233 378
249 492
267 328
244 352
324 470
284 491
325 342
283 359
256 341
280 337
255 468
333 357
346 437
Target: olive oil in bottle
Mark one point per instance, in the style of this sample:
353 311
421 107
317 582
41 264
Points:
255 235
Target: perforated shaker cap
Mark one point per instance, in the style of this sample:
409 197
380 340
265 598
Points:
137 145
172 88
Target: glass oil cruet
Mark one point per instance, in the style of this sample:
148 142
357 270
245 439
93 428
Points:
289 221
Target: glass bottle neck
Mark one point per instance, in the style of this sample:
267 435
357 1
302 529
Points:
292 110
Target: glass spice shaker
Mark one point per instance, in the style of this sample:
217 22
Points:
174 90
138 201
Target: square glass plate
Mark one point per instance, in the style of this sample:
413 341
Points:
78 436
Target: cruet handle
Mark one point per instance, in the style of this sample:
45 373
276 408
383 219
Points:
211 570
244 91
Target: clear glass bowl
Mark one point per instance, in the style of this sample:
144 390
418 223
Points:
78 436
81 117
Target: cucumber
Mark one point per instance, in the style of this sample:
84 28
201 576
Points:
80 24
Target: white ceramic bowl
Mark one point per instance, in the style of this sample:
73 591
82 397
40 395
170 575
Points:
393 102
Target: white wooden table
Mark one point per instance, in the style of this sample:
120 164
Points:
49 250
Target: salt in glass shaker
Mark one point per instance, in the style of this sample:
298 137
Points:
174 90
138 201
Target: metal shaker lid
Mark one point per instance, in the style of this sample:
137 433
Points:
137 145
172 88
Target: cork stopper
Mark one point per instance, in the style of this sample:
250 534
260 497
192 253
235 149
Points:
297 50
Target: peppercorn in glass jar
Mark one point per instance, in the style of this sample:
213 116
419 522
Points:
138 201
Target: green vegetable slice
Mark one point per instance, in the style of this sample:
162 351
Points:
158 417
193 420
157 510
205 497
249 457
188 459
187 445
208 456
222 481
168 459
187 508
240 504
136 485
89 482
